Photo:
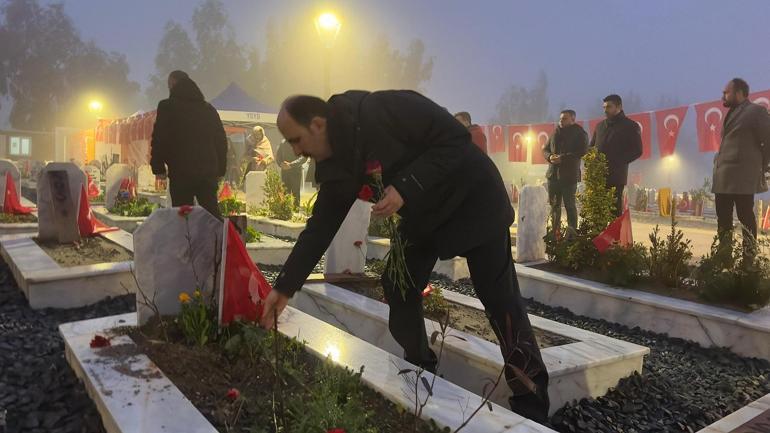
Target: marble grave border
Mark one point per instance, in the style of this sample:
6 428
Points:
13 228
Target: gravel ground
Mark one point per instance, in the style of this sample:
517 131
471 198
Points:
38 390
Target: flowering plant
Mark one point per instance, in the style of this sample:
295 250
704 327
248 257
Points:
395 260
194 318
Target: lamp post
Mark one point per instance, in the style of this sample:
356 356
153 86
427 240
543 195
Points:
328 27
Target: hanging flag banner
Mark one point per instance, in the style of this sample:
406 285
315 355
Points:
761 98
668 123
709 119
496 139
645 128
592 124
517 143
540 135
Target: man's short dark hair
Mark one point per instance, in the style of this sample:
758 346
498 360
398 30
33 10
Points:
740 85
570 112
465 115
303 108
615 99
179 75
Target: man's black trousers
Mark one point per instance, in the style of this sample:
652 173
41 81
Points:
494 279
186 191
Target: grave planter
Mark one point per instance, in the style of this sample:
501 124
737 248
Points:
46 283
585 368
133 395
20 227
455 268
269 251
278 228
752 418
747 334
126 223
159 198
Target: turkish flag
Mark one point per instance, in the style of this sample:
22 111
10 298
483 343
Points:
243 287
540 135
761 98
593 123
11 203
93 189
668 123
496 139
645 127
618 231
709 119
226 192
87 222
517 143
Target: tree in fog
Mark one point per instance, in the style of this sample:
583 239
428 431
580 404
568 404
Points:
521 105
175 51
46 67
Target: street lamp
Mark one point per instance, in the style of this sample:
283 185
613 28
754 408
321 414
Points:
328 27
670 163
95 106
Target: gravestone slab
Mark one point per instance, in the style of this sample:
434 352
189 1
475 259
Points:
532 222
145 180
254 187
95 173
164 263
7 165
347 252
115 174
76 179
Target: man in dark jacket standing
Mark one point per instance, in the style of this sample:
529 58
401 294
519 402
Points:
477 134
563 152
452 201
620 139
291 169
741 163
189 145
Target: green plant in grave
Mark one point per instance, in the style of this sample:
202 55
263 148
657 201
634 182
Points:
434 302
623 266
138 207
195 318
278 202
669 257
231 206
253 235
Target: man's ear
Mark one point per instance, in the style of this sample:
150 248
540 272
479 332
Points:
318 124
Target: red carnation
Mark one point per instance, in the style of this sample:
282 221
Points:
233 394
185 210
99 341
366 193
357 244
427 291
373 167
336 430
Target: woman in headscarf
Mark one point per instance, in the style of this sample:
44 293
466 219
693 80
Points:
259 152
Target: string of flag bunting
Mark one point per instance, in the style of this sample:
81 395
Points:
524 140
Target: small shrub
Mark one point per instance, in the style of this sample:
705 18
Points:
435 303
278 202
669 257
138 207
195 319
232 206
252 235
623 266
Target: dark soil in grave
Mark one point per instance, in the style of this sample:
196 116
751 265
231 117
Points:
16 219
643 285
38 389
205 374
461 317
89 251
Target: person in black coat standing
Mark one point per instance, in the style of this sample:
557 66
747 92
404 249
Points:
291 169
563 152
620 139
189 145
452 201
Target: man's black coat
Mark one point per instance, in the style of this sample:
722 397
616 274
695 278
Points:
620 139
454 196
571 143
188 136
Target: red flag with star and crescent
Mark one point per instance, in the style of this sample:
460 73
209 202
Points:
761 98
709 119
668 123
496 139
517 143
645 127
540 135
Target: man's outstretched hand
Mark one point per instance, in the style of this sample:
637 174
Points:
274 305
389 204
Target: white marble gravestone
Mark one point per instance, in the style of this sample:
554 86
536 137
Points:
114 176
254 187
95 173
7 165
532 222
163 261
48 230
145 180
347 252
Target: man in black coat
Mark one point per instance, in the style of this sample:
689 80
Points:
563 152
452 201
189 145
291 169
620 139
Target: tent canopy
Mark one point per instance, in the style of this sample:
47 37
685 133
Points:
233 98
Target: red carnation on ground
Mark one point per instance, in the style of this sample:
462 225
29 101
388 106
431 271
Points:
358 244
233 394
185 210
373 167
99 341
366 193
